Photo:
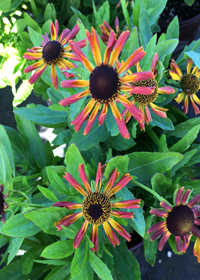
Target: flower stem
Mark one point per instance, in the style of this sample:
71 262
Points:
21 204
155 194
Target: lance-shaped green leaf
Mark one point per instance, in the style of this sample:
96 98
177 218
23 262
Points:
56 181
119 162
59 272
145 164
144 25
166 47
184 143
99 267
14 247
160 184
5 170
48 194
58 250
19 226
184 127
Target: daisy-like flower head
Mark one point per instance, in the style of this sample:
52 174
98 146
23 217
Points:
196 249
105 83
53 52
147 100
179 220
106 29
96 208
189 83
3 204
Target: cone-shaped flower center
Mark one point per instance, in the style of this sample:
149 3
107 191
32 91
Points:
180 220
52 52
190 84
146 99
96 208
1 202
104 83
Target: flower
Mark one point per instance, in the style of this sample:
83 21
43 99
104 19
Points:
180 221
147 100
106 29
3 204
52 52
105 83
97 207
196 249
189 84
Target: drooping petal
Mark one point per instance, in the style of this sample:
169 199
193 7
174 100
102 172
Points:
158 212
33 55
196 109
185 196
74 183
68 220
122 214
128 204
94 238
196 99
74 83
63 35
194 201
103 113
157 234
122 183
166 90
166 206
80 234
110 234
174 75
37 74
33 66
185 104
68 205
158 110
147 114
71 35
140 90
54 77
119 120
196 231
139 76
136 56
83 176
163 240
109 47
91 119
189 65
98 176
111 181
196 249
175 67
94 45
154 63
119 229
157 226
180 97
74 98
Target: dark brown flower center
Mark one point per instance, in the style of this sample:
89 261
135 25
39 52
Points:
146 99
180 220
1 202
190 84
96 208
104 83
52 52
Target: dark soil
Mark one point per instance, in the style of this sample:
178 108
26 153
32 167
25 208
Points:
182 10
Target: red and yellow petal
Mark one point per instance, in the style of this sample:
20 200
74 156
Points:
74 83
110 234
68 205
122 183
91 119
54 30
33 55
68 220
118 47
33 66
185 104
94 44
98 177
166 206
37 74
196 249
139 76
195 107
166 90
158 110
94 238
154 63
189 65
78 238
119 229
119 120
175 67
103 114
54 77
194 201
74 98
159 213
158 226
122 214
163 240
196 99
111 181
110 44
128 204
83 176
180 97
74 183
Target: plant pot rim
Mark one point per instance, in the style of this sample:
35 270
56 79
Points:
184 22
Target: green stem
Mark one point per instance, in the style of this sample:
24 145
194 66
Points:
23 194
155 194
21 204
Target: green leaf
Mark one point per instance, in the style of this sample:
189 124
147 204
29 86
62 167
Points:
59 272
160 184
19 226
144 25
62 138
48 194
7 145
125 263
126 15
5 170
195 57
43 115
5 5
131 44
12 271
32 140
164 123
189 2
56 181
58 250
96 135
50 12
173 29
46 217
73 159
36 38
14 247
155 9
54 262
184 143
84 19
28 258
145 164
149 51
120 143
99 267
31 23
165 48
80 268
119 162
184 127
102 14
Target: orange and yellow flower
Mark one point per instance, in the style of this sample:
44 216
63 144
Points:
181 220
53 52
147 100
189 83
96 208
106 82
